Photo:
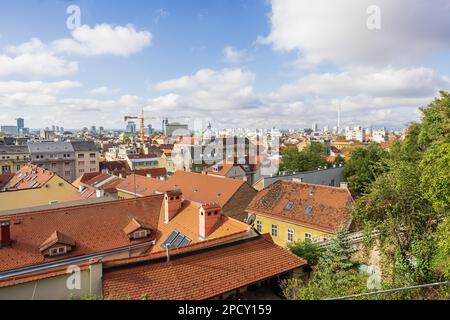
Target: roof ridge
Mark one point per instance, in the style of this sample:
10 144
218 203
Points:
85 205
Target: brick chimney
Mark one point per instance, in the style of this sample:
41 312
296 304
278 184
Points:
209 216
172 204
5 234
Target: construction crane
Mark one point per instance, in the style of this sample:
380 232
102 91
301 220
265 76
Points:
142 129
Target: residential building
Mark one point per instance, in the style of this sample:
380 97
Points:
135 185
94 185
13 158
128 242
294 211
55 156
9 130
380 135
87 157
142 161
33 186
175 127
227 170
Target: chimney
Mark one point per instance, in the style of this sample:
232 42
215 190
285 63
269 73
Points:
5 233
344 185
209 216
172 204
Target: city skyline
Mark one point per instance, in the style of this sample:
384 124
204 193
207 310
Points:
238 64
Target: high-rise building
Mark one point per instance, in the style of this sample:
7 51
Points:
131 127
20 124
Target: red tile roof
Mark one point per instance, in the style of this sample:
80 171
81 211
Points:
95 228
330 207
203 188
142 156
139 185
153 172
29 176
100 227
202 275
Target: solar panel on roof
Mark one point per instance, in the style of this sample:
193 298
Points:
185 242
175 240
178 240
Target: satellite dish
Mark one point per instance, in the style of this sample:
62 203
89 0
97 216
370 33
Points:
251 219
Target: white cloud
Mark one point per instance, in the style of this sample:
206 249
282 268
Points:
384 82
104 90
36 65
104 39
336 31
160 14
232 55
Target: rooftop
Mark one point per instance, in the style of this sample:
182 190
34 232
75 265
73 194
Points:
322 207
202 275
203 188
28 177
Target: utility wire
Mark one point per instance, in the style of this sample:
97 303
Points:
391 290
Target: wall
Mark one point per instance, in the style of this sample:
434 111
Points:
38 196
281 239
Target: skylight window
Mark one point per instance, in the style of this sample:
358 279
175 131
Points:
289 205
309 209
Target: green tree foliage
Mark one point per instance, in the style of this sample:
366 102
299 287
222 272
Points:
364 165
336 275
307 250
310 158
408 203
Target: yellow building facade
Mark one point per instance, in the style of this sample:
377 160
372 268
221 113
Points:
55 189
284 232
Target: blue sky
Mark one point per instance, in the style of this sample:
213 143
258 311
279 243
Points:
254 63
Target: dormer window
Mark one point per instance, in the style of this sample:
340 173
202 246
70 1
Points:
137 230
57 244
57 251
140 234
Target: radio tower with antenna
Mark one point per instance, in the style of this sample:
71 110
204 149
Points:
339 119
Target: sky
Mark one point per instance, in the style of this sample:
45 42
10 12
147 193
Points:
235 63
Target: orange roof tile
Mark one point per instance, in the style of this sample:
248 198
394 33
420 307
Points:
29 176
56 237
140 185
322 207
202 188
205 274
95 228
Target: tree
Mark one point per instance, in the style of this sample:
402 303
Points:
408 203
310 158
307 250
363 167
336 275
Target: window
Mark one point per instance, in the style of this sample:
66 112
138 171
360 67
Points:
92 170
67 173
274 230
309 209
290 235
308 236
289 205
140 234
81 171
57 251
81 163
80 155
259 226
92 155
92 162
